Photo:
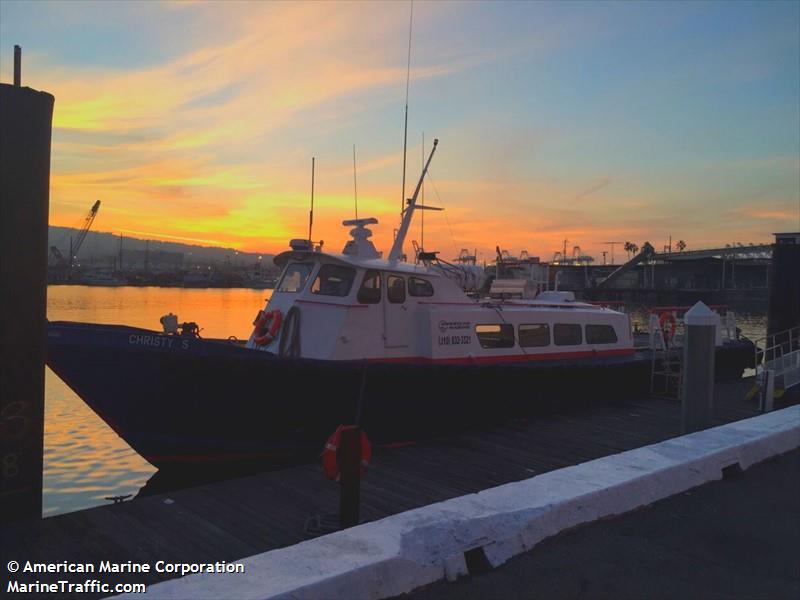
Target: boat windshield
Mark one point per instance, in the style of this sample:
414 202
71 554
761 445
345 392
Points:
295 277
333 280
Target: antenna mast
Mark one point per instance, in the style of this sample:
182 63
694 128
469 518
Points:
311 212
355 184
397 247
405 125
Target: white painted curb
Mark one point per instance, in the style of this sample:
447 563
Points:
408 550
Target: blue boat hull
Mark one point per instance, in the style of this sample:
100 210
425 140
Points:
179 400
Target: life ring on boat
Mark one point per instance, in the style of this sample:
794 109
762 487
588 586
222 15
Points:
330 455
266 325
668 325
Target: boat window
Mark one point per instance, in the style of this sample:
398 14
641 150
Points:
534 334
600 334
370 290
495 336
295 277
396 289
333 280
419 287
567 334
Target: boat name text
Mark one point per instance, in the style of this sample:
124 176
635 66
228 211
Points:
156 341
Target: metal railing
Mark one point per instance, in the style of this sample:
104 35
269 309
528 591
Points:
778 356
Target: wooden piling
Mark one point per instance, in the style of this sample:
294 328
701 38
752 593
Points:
25 133
349 456
784 284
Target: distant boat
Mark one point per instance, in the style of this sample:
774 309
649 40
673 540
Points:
99 278
352 336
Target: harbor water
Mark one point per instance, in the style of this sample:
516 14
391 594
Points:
85 461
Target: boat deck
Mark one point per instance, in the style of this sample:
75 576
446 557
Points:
227 520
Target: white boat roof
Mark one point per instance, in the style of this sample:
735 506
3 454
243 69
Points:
378 264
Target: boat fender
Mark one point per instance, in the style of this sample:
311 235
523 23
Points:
330 462
266 325
668 325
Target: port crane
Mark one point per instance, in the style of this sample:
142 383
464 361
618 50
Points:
612 244
75 246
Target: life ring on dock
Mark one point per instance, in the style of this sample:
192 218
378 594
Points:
668 325
266 325
330 455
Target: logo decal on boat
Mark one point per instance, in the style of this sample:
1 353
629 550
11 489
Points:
445 325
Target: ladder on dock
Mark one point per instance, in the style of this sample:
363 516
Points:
666 366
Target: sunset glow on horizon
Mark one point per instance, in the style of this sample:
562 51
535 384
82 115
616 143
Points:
592 122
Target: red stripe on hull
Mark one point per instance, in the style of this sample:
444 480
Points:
507 358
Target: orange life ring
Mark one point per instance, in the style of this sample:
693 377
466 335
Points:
667 318
266 325
330 456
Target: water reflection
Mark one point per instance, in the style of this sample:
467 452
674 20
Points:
84 460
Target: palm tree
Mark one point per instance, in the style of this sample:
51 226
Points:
634 248
627 248
680 245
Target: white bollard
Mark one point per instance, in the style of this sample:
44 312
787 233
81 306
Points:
699 348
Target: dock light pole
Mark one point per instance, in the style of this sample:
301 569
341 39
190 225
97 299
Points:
26 117
699 348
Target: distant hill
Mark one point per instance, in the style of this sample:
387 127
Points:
103 248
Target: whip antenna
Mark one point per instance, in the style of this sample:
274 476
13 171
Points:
355 184
405 125
311 212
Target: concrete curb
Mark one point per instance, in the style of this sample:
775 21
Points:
406 551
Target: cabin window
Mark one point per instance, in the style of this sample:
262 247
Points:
396 289
600 334
295 277
370 290
419 287
534 334
567 334
495 336
333 280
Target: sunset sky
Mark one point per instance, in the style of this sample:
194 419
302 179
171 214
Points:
197 121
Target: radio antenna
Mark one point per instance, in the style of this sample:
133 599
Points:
355 184
405 125
422 216
311 212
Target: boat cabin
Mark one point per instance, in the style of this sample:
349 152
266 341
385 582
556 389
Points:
356 305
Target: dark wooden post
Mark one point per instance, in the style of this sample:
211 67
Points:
784 284
349 457
25 127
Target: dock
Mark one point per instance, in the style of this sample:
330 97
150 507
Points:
236 518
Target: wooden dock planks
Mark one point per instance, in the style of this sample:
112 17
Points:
227 520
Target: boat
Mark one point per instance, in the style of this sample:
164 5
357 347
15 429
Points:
400 347
101 278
